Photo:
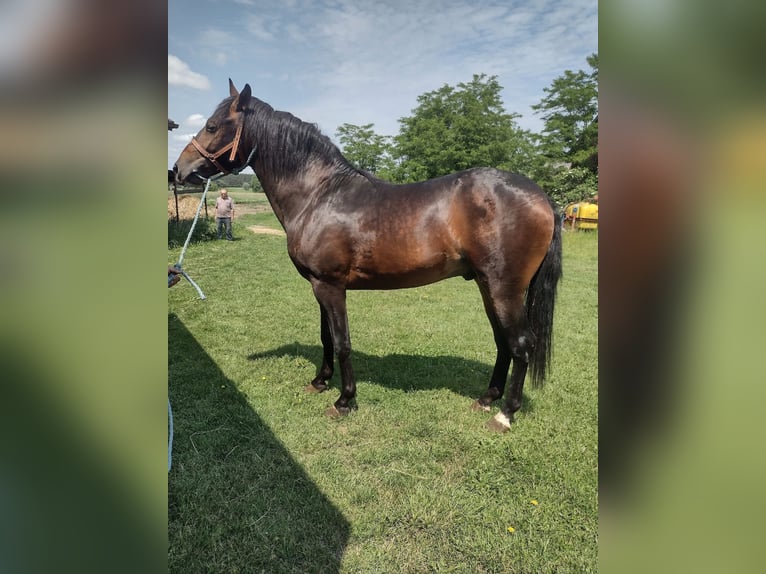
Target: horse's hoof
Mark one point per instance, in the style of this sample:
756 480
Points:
499 423
335 413
311 388
477 407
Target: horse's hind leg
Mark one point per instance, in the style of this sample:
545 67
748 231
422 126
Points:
501 422
325 371
502 361
507 314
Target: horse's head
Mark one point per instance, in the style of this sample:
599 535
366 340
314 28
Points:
216 148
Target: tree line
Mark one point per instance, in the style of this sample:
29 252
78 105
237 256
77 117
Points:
459 127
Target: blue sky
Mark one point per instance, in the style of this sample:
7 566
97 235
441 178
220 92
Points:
332 62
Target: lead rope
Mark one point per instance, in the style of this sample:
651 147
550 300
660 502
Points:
170 436
188 238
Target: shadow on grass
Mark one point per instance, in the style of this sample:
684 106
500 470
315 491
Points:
409 373
57 486
237 501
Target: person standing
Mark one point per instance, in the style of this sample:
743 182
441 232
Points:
224 211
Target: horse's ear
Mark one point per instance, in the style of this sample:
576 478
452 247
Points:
244 98
232 90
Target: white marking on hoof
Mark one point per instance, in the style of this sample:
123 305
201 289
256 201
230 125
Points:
502 419
499 423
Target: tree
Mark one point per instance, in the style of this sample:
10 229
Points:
365 149
571 184
234 180
569 141
455 128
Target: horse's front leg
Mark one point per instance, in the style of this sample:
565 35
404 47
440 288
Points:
326 370
332 299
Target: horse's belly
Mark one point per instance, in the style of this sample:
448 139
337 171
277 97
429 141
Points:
398 276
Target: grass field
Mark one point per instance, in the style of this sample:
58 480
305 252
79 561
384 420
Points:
412 481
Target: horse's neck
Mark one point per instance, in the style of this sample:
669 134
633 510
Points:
293 182
290 194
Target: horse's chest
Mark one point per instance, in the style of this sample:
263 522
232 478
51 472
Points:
321 255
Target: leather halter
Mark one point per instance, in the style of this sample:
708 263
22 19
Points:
213 157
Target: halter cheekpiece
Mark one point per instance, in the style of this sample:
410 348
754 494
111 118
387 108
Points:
233 145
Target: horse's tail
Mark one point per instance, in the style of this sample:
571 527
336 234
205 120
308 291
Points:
541 297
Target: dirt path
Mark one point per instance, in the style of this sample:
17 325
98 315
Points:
266 230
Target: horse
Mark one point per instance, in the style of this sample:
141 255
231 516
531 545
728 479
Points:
347 229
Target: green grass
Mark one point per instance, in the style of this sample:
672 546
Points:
412 481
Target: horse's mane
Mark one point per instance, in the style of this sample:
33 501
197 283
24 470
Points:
287 144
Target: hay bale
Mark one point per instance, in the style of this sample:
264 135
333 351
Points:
187 207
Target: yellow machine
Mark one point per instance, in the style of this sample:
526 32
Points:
582 215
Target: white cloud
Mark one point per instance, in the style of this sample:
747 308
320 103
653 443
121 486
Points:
180 74
194 121
182 138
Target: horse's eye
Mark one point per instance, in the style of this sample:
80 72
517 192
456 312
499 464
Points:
210 128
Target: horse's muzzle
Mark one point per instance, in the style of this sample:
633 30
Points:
192 178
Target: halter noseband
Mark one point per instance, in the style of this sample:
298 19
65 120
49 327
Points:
213 157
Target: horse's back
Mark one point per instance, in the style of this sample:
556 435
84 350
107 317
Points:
484 185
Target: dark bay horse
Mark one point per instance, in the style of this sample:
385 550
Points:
349 230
